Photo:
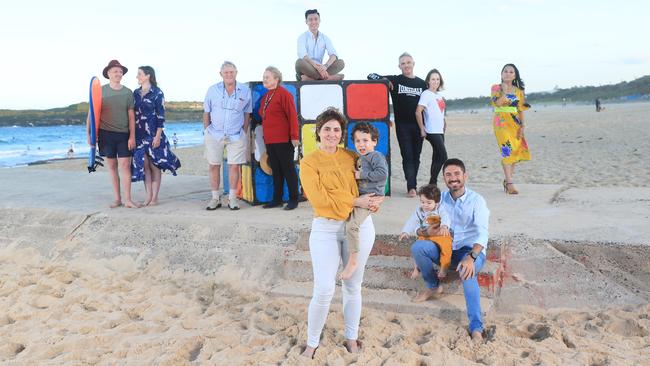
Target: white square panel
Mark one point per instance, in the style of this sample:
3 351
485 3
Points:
315 98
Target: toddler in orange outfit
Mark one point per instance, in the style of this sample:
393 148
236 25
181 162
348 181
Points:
432 214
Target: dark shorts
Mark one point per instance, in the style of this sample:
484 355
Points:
114 144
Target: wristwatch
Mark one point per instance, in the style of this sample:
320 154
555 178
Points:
474 255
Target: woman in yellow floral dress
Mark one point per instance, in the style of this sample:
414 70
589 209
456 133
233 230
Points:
509 104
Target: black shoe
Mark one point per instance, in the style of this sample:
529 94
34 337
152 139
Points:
272 204
291 205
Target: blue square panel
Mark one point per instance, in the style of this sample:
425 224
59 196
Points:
382 143
258 90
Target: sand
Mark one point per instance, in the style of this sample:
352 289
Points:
572 146
90 311
81 284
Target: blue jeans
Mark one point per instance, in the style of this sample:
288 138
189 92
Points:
425 253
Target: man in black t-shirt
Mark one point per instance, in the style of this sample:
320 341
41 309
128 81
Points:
405 90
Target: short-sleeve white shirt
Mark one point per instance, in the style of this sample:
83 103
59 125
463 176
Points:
434 112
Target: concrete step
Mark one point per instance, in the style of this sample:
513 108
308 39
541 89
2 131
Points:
390 245
393 272
449 307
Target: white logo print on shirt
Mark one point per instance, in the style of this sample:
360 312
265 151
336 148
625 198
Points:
408 90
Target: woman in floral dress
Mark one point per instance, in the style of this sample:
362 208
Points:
153 152
509 104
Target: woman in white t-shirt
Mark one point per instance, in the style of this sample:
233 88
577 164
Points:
433 125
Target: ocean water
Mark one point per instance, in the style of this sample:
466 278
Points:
23 145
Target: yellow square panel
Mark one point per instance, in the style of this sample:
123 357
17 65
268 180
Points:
308 135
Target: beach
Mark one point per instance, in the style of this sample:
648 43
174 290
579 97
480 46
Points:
177 285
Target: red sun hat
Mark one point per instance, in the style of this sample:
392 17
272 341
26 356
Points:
114 63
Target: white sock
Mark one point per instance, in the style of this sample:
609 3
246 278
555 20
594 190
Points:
232 194
216 194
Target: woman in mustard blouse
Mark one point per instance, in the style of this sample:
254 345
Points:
509 104
327 177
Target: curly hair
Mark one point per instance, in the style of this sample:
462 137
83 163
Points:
366 127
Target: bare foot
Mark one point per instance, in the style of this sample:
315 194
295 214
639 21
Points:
336 77
146 202
415 274
153 203
412 193
424 295
309 352
306 78
428 294
116 204
477 337
442 273
131 204
348 271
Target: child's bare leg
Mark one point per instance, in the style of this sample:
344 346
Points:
416 272
350 267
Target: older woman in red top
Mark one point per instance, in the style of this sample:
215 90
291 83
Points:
280 124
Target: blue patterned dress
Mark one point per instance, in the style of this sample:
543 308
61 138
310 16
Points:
149 116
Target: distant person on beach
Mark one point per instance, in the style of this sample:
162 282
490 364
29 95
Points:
311 51
509 102
227 110
598 108
280 126
469 227
327 177
116 138
175 140
405 90
371 173
430 115
71 150
430 214
152 153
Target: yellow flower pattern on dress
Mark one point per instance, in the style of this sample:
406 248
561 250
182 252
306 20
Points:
507 124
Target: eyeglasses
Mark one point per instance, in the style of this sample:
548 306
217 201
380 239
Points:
229 102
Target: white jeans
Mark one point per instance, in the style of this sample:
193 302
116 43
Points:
328 247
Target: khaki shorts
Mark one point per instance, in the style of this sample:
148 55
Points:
236 150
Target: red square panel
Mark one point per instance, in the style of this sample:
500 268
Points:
367 100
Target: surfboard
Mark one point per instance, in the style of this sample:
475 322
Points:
95 102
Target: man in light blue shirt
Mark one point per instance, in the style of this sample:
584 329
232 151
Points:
227 108
469 227
311 51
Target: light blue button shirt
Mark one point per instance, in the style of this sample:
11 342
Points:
315 47
227 112
470 218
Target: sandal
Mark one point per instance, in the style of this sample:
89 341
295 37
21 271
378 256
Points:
359 346
313 353
509 188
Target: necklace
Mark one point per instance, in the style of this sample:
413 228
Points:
267 101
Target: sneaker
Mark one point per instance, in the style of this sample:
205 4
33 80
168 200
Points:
233 205
213 204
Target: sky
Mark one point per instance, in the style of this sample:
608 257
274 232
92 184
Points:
51 49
